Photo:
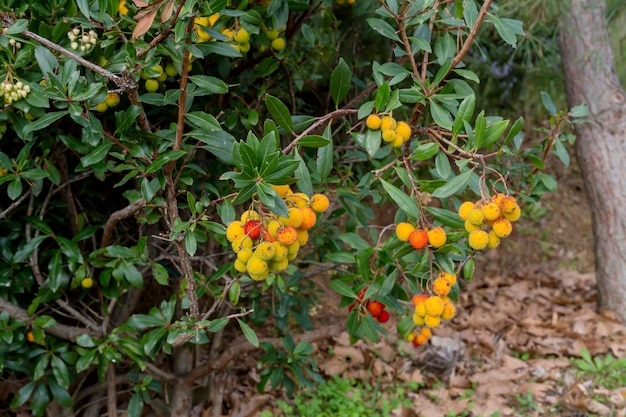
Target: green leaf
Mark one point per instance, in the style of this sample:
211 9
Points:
60 371
340 81
383 28
249 333
373 140
494 132
440 115
342 288
46 60
508 29
209 84
406 203
324 161
382 96
163 159
446 217
17 27
135 405
453 186
202 120
470 13
160 273
548 103
83 6
145 321
279 112
425 151
191 244
354 241
313 141
132 275
14 190
464 113
60 393
96 155
217 324
86 341
515 129
43 121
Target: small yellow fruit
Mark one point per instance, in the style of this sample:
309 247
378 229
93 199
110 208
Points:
476 216
491 211
213 18
272 228
404 130
437 237
498 198
271 34
234 230
242 242
279 265
278 44
389 135
122 9
465 209
426 332
434 306
240 266
152 85
282 190
242 36
494 240
287 235
292 250
420 309
319 203
299 199
432 321
303 237
373 122
249 215
294 219
257 268
102 107
470 227
448 277
397 141
502 228
441 287
170 70
112 99
508 204
448 311
403 230
30 337
265 251
280 252
245 254
418 320
478 239
87 283
514 215
244 47
388 122
229 33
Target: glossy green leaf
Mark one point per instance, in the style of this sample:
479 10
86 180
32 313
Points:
340 82
342 288
453 186
280 112
313 141
383 28
249 333
406 203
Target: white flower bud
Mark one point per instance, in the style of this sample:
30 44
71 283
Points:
27 88
19 85
82 48
12 42
76 31
74 45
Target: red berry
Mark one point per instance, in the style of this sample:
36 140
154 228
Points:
361 294
253 228
383 317
418 239
375 308
416 343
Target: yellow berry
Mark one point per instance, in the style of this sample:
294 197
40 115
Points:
441 287
112 99
476 216
244 47
508 204
152 85
213 18
397 141
257 268
234 230
298 199
426 332
170 70
319 203
389 135
272 228
470 227
229 33
292 250
278 44
388 122
420 309
303 237
403 230
280 252
432 321
287 235
249 215
240 266
245 254
373 122
282 190
242 36
87 283
451 278
418 320
271 34
437 237
279 265
264 250
514 215
478 239
498 198
242 242
102 107
404 130
465 209
434 306
494 240
491 211
448 311
502 228
122 9
294 219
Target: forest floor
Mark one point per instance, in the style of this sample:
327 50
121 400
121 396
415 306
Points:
516 348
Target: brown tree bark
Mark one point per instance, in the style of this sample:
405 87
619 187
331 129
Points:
590 78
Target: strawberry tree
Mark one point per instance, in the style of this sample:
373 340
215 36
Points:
174 173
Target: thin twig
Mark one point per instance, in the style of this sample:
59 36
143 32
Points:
337 114
118 215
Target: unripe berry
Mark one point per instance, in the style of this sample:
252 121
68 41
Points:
282 190
388 122
234 230
112 99
319 203
299 199
373 122
397 141
264 250
102 107
87 283
465 209
476 216
152 85
418 239
434 306
245 254
418 320
389 135
242 242
471 227
514 215
242 36
292 250
403 230
249 215
240 266
441 286
279 265
303 236
420 308
257 268
508 204
478 239
448 311
502 228
494 240
448 277
278 44
294 219
280 252
432 321
491 211
437 237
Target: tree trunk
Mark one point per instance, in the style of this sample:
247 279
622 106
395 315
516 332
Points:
590 78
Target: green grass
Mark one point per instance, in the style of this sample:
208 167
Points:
607 371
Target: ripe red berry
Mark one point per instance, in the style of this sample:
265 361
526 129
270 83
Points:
361 294
375 308
383 317
418 239
253 229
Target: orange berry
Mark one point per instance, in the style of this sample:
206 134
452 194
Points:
373 122
437 237
502 228
375 308
287 235
508 204
30 337
309 218
418 298
418 239
441 286
319 203
448 311
432 321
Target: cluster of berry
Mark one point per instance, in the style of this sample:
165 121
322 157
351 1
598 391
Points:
431 309
375 308
238 39
487 221
419 238
111 100
393 132
12 89
81 40
265 242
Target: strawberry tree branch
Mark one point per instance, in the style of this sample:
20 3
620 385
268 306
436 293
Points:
337 114
116 217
